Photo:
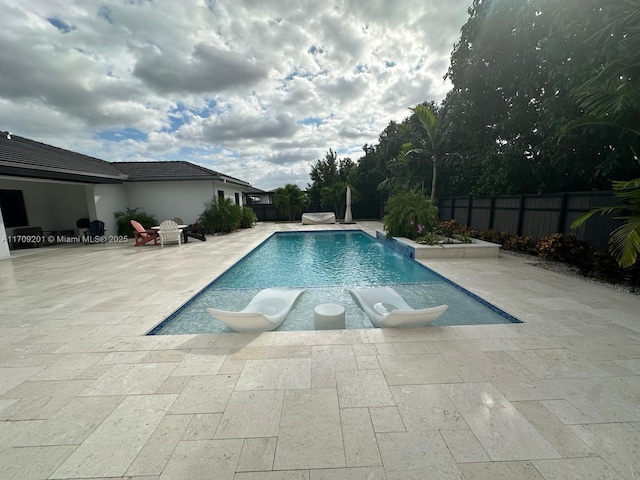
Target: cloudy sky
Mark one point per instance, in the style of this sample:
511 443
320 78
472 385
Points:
256 89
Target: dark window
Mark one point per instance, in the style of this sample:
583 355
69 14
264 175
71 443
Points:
12 206
237 198
221 195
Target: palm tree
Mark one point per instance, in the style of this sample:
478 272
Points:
624 242
430 139
290 199
431 135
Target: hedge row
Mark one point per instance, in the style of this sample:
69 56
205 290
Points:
569 249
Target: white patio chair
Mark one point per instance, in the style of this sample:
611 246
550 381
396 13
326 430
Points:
169 232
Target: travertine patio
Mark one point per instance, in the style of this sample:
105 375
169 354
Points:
84 394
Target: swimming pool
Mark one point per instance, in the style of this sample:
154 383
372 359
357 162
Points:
327 264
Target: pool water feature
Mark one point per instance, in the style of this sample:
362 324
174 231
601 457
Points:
327 264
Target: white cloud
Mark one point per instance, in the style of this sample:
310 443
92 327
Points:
208 70
257 89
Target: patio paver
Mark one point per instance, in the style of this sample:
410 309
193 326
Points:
85 394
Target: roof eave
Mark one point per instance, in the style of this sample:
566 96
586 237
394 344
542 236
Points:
28 171
188 179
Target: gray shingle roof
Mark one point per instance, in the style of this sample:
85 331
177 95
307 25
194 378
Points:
23 157
254 190
20 154
170 170
163 170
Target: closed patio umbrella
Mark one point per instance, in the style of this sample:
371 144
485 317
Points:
347 214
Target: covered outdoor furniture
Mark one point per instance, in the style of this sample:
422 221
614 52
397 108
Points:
169 231
386 308
266 311
142 235
318 218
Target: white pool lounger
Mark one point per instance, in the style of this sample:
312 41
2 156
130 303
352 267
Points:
266 311
387 309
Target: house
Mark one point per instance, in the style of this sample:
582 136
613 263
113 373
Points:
255 196
51 188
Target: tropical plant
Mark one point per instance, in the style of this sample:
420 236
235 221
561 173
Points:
624 242
407 169
249 218
430 238
409 214
430 139
123 220
220 215
290 199
612 99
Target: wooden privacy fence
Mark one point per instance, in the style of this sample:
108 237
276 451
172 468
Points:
360 210
535 215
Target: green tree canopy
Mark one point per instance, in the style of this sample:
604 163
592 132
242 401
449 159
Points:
323 173
290 199
513 72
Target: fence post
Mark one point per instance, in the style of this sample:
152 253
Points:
492 212
520 215
453 207
562 217
469 211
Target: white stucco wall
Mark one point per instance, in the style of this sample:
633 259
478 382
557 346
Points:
50 205
184 199
56 206
107 200
4 242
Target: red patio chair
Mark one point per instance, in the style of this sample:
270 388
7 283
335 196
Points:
142 235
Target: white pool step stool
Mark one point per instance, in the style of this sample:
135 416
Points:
328 316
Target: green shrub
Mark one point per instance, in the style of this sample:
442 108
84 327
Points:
551 247
463 237
524 244
220 215
123 220
568 249
493 236
448 227
409 214
249 218
579 253
430 238
607 266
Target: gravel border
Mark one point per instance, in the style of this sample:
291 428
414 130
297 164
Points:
566 269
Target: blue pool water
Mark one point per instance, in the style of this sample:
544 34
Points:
327 264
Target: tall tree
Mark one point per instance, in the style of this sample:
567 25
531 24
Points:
612 99
323 173
513 72
430 136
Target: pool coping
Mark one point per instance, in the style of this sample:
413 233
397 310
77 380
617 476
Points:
407 251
